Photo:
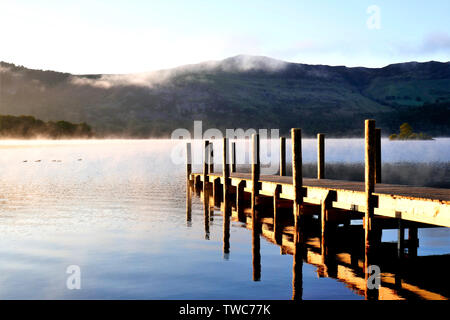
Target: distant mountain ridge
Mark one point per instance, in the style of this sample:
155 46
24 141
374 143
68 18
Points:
237 92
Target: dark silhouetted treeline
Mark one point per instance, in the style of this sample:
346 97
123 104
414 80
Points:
27 127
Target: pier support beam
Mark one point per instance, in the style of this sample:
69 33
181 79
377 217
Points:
255 218
297 181
205 165
226 199
282 156
255 170
320 156
369 178
233 157
240 201
188 182
326 205
299 243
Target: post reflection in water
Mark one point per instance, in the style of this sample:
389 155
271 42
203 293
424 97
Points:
206 211
226 231
188 205
256 245
336 248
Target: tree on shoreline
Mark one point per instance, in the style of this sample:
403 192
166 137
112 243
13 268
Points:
406 133
26 127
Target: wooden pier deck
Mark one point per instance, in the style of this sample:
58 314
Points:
418 204
333 202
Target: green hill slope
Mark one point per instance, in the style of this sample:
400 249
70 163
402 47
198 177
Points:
243 91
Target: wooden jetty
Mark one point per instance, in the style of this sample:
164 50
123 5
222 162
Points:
334 203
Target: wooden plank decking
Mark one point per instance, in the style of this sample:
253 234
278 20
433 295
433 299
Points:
419 204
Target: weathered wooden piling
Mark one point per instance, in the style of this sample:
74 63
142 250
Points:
325 206
297 181
211 157
369 182
320 156
282 156
378 155
299 243
205 164
233 157
255 169
188 181
226 197
188 163
255 218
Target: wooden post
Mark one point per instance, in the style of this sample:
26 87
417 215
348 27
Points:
255 170
188 182
400 252
378 155
282 156
211 158
369 178
297 181
226 198
188 163
320 156
205 165
325 228
255 218
233 157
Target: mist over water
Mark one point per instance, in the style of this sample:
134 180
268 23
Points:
117 209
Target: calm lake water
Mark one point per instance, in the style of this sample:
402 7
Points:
117 209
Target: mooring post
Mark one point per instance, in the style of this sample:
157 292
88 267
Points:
320 156
282 156
255 171
369 178
205 165
226 199
211 158
297 181
378 155
188 163
188 181
400 251
233 157
255 218
325 228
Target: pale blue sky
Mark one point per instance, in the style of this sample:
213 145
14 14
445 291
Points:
135 36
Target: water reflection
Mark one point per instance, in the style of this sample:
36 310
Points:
337 251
